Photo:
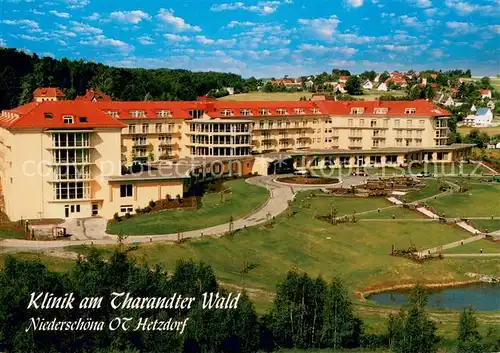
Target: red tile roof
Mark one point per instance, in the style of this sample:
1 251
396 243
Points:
93 95
36 116
32 115
48 92
484 91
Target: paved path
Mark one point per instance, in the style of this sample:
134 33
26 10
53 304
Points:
472 255
428 213
92 231
395 201
451 245
489 168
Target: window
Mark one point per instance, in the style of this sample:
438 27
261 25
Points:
145 128
126 190
299 111
113 113
139 141
158 128
349 122
264 111
421 123
380 111
137 113
245 112
68 120
131 129
226 112
47 115
261 124
410 111
397 123
163 113
315 111
361 122
281 111
399 142
126 209
408 123
373 123
357 110
83 119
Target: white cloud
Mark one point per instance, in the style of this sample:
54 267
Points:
146 40
322 28
494 28
30 38
30 25
234 24
176 38
438 53
415 49
431 11
354 3
3 43
342 63
60 14
76 4
93 17
132 17
423 4
84 28
102 41
321 49
177 23
464 8
208 41
49 54
36 12
461 27
355 39
262 7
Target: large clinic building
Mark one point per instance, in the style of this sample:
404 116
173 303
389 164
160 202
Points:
64 159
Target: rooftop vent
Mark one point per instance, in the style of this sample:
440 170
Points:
47 115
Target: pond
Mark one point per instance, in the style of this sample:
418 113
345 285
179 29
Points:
480 296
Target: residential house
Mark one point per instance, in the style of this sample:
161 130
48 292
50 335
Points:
368 85
377 79
343 79
382 87
47 94
485 93
309 84
94 95
482 118
491 105
340 87
473 108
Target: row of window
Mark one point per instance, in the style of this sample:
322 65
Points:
264 111
141 113
159 128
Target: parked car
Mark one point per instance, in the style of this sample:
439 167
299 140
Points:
424 175
360 173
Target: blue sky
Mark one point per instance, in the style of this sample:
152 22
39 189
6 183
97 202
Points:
261 38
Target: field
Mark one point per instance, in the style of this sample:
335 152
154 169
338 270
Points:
53 263
481 201
295 96
244 198
256 258
488 247
490 225
492 131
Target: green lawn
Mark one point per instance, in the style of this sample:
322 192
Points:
490 225
488 246
11 233
397 212
430 189
481 200
344 205
263 96
244 199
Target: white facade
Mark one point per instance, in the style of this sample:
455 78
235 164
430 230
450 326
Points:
368 85
382 87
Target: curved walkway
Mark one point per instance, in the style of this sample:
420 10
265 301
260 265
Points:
94 233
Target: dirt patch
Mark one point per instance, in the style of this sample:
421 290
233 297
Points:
308 181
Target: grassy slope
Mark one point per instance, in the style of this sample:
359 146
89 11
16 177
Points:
244 199
53 263
480 201
488 246
11 233
490 225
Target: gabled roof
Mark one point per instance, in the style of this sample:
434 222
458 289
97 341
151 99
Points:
484 91
94 95
49 115
483 111
48 92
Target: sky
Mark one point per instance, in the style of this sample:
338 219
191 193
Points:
261 38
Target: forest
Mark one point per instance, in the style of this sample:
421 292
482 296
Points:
307 313
21 74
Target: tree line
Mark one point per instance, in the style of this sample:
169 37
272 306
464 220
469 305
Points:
307 313
21 74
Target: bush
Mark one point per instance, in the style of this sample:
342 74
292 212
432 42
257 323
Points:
169 198
128 215
116 217
146 209
138 210
152 204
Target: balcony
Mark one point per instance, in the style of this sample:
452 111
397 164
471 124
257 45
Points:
140 144
165 157
71 161
168 143
73 147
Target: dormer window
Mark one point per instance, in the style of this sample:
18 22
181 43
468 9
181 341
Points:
83 119
245 112
357 110
163 113
281 111
264 111
113 113
137 113
68 120
47 115
299 111
380 111
315 110
410 111
226 112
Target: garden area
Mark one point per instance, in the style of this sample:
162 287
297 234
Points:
237 199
